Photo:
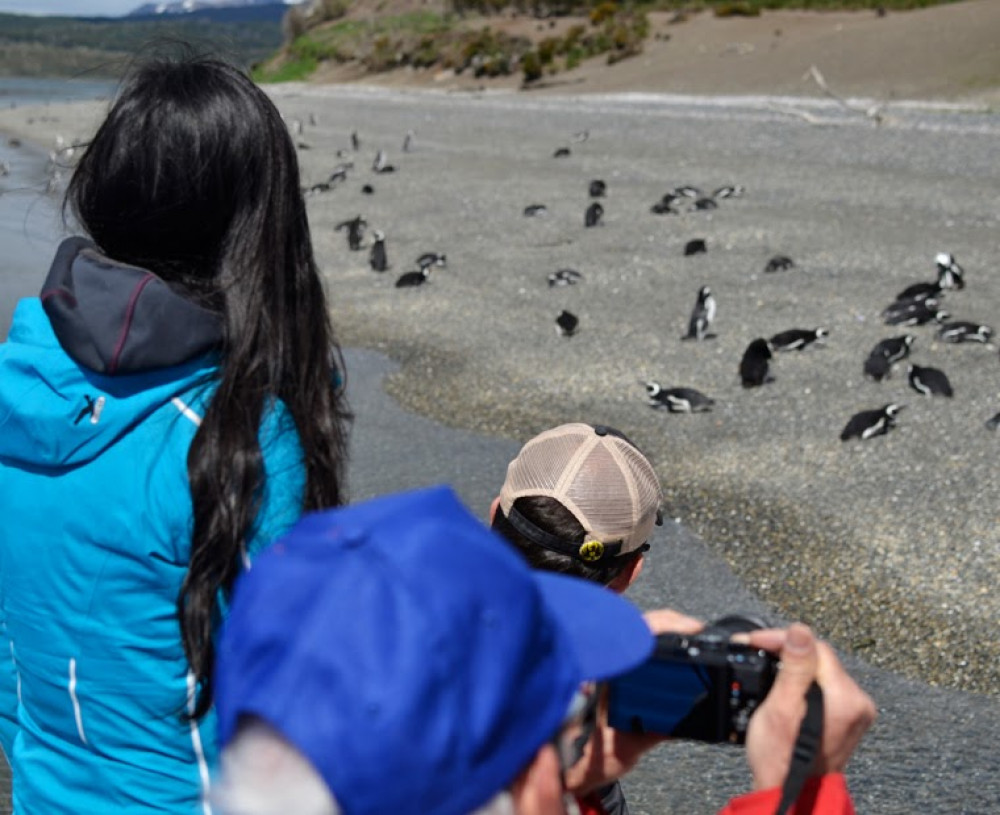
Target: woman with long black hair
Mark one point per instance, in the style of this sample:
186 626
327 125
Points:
169 404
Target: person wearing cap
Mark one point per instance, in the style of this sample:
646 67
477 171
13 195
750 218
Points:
581 500
395 656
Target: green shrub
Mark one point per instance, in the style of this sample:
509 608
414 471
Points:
547 49
574 56
602 12
737 9
531 66
293 70
384 55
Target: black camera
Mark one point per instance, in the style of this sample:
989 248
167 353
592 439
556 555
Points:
700 686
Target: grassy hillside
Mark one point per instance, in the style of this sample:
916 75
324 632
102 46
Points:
67 46
534 38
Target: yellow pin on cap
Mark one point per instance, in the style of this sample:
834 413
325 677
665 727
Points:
591 550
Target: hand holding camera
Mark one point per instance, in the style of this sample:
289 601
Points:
779 705
848 711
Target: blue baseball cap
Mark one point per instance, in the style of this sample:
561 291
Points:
411 655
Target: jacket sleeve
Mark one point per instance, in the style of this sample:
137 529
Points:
826 795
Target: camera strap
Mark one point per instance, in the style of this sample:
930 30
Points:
807 747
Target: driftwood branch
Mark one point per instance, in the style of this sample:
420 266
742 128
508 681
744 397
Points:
874 112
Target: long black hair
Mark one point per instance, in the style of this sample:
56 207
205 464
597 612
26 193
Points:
193 176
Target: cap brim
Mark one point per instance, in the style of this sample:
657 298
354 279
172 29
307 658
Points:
607 633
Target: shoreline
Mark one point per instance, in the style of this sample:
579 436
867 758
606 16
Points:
832 556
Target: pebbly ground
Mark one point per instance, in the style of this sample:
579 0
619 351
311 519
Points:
889 546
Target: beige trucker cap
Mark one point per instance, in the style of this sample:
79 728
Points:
598 475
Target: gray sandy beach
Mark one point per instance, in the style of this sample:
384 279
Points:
888 546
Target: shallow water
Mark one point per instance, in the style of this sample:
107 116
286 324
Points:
30 222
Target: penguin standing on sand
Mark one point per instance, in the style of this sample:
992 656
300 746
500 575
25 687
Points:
355 232
377 257
597 188
929 381
701 316
592 217
870 423
949 272
754 365
567 323
677 400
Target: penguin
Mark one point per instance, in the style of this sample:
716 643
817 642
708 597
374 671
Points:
779 263
929 381
705 204
417 278
565 277
729 191
408 141
994 423
949 269
894 349
432 259
965 332
355 141
919 313
377 257
562 152
355 232
870 423
753 366
567 323
920 291
687 191
666 205
582 136
381 163
702 316
795 339
536 211
315 189
313 119
697 246
367 189
898 308
592 217
678 400
597 188
877 367
339 172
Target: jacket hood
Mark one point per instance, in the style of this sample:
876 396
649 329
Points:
116 319
103 348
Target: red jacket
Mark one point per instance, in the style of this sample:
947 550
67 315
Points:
826 795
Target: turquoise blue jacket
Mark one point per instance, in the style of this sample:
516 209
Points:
94 545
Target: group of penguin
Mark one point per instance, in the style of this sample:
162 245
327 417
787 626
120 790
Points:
378 256
916 305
